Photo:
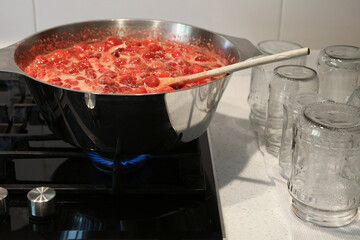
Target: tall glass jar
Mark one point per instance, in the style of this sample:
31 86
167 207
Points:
292 107
286 80
338 68
261 75
324 182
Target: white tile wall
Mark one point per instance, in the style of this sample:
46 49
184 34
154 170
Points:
321 23
314 24
237 18
16 20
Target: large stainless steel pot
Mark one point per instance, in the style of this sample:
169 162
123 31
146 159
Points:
123 123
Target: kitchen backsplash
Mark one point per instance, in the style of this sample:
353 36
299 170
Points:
313 24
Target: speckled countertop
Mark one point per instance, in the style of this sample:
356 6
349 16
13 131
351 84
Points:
247 194
249 202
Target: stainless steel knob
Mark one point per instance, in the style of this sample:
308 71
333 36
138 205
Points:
41 201
4 201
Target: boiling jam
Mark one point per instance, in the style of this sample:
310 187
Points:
121 65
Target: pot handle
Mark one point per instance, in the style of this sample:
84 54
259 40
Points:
7 62
246 48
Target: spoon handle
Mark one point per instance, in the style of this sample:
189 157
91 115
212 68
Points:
234 67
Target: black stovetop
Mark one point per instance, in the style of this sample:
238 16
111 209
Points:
169 195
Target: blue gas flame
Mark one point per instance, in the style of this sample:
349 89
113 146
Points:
125 160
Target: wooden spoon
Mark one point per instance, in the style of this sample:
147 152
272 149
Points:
234 67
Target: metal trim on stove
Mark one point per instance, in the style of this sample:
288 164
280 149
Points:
216 189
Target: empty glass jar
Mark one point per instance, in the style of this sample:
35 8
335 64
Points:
338 68
293 105
354 99
286 80
324 182
261 75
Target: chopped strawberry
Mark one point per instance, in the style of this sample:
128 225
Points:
215 66
134 61
95 55
142 50
57 54
139 90
105 80
113 41
129 81
171 64
59 62
102 69
71 82
187 49
132 44
196 83
90 73
40 60
159 55
56 81
97 47
68 54
152 81
157 64
80 47
111 74
125 71
125 90
99 89
72 69
149 55
161 73
84 64
154 47
41 74
111 88
117 52
203 58
128 53
107 58
82 55
120 62
176 53
31 70
148 41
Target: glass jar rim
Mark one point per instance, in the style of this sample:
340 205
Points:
314 113
277 46
310 73
330 51
298 100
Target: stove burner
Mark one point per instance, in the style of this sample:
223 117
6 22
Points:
125 165
164 194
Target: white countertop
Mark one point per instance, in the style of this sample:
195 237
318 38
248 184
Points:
247 195
249 199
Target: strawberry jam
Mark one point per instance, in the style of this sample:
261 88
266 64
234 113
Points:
121 65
